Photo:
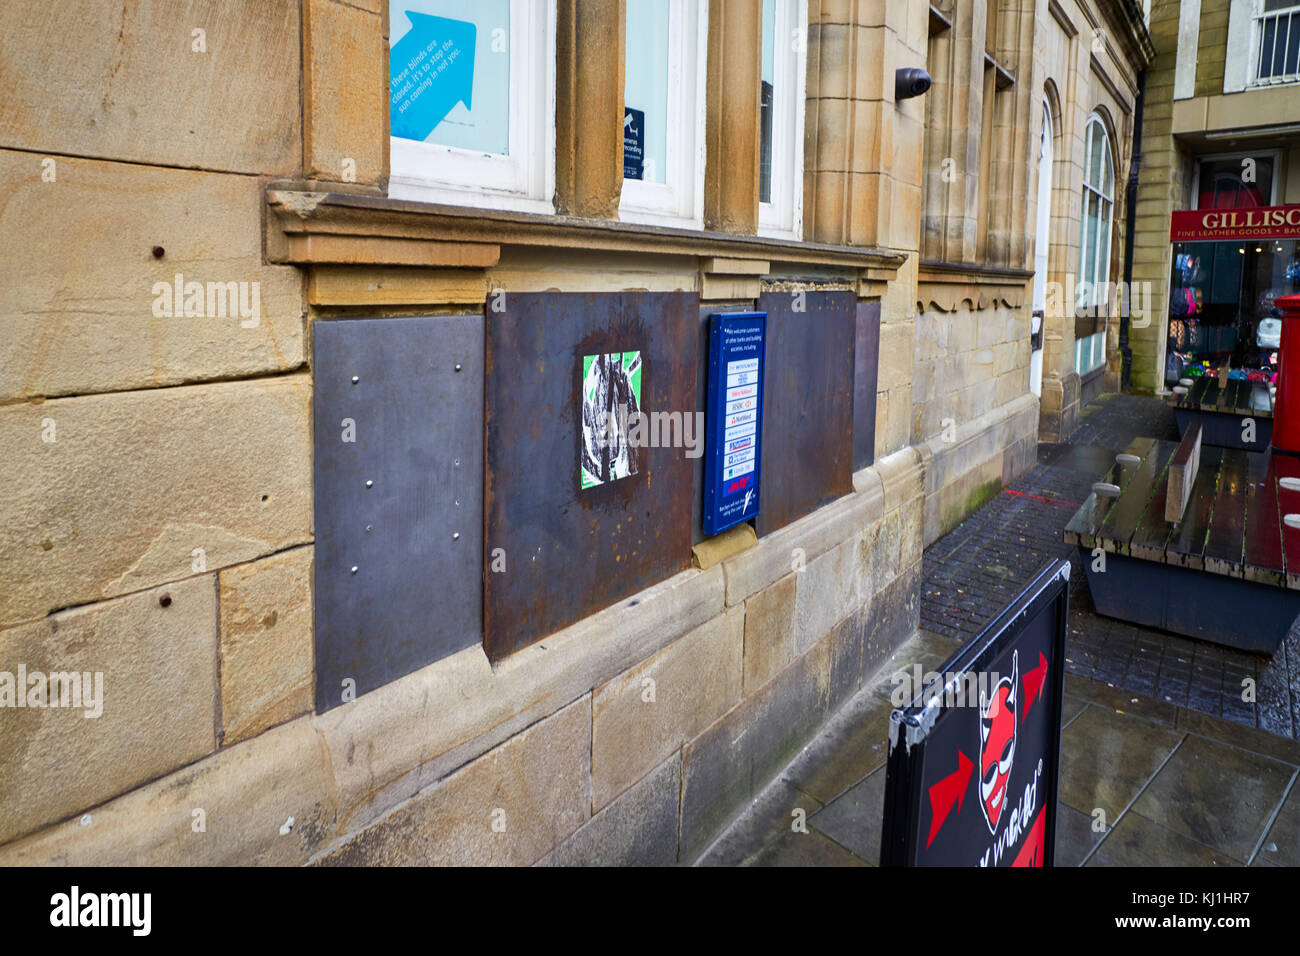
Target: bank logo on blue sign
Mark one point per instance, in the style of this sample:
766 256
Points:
734 419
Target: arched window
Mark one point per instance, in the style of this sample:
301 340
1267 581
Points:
1098 210
1092 293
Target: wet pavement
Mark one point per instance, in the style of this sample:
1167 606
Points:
980 566
1143 783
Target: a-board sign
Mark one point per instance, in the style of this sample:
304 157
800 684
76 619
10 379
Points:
974 761
733 419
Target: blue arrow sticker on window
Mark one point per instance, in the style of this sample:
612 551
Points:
432 69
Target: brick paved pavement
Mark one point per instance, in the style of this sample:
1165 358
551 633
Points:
978 567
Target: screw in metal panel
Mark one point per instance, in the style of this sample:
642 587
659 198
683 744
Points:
355 379
354 569
457 462
369 483
455 536
369 528
458 366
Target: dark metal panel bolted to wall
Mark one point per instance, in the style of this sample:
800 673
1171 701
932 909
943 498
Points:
808 408
576 517
398 479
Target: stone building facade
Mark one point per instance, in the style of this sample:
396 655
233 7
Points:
212 213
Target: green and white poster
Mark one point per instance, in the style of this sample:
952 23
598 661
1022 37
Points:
611 395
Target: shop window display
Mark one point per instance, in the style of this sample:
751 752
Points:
1222 307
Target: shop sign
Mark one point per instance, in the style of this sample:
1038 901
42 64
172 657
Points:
733 419
1260 222
971 778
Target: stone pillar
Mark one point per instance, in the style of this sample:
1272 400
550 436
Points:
732 116
345 93
589 107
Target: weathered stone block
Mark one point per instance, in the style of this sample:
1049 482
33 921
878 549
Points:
846 643
174 84
800 542
266 802
155 691
727 765
78 310
639 828
344 78
511 806
769 631
893 617
902 476
648 711
140 488
893 420
267 645
827 592
389 744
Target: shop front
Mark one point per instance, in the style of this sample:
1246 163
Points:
1227 269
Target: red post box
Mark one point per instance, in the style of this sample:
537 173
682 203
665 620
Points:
1286 404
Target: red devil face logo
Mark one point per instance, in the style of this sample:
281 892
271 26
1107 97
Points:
998 744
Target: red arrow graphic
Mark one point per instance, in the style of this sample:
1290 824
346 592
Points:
943 794
1033 682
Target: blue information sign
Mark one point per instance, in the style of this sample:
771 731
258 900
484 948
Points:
734 419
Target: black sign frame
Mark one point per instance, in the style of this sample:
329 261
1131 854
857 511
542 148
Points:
912 727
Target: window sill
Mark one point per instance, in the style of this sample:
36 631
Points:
313 228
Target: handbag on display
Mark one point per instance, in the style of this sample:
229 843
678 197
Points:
1268 334
1174 366
1178 333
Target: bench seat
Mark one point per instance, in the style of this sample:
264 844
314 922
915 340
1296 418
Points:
1222 412
1228 571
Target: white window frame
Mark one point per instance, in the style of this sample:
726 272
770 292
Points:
1274 154
1094 345
523 180
1253 78
679 199
1245 32
782 218
1101 259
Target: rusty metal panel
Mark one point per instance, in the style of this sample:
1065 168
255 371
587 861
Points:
398 511
807 451
866 369
555 551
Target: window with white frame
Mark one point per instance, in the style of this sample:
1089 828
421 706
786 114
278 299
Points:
1275 53
472 102
663 112
1092 291
781 114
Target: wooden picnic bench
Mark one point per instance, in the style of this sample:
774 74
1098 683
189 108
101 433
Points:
1221 406
1225 569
